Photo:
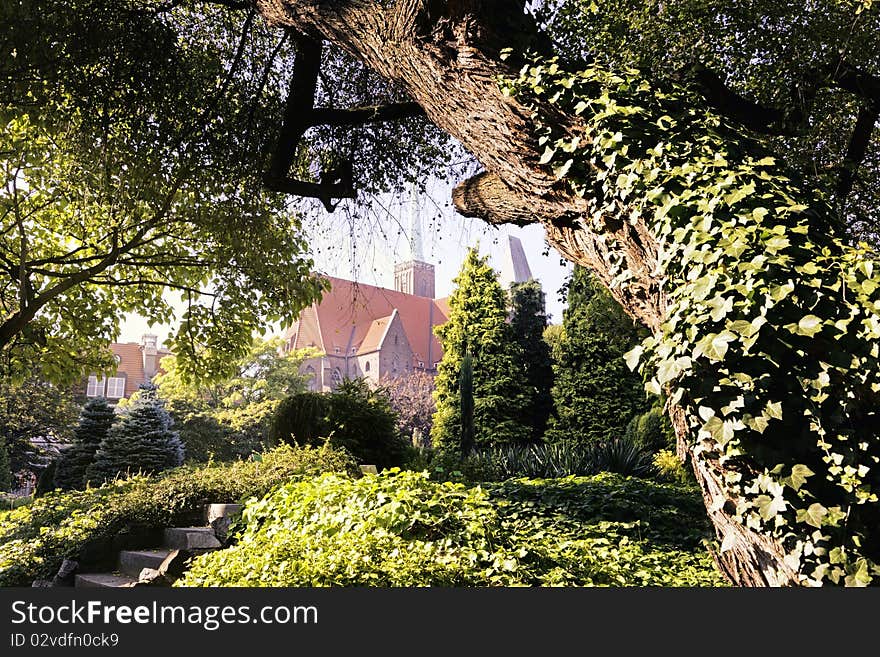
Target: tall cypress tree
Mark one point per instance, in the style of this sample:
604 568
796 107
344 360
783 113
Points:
528 320
95 421
142 441
5 471
594 394
478 323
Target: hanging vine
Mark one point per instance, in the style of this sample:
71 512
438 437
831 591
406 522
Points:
771 336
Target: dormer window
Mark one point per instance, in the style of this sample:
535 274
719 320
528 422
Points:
116 387
95 388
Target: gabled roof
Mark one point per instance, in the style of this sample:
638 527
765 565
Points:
376 334
350 314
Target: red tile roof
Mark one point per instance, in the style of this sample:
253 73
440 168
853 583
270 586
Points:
347 316
131 363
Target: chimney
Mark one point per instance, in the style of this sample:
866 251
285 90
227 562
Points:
151 356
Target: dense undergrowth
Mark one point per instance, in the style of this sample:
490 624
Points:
35 539
403 529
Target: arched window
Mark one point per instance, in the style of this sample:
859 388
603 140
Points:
311 378
336 377
395 363
367 366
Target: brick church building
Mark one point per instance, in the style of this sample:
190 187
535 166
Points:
373 332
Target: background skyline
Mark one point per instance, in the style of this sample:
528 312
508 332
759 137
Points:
366 246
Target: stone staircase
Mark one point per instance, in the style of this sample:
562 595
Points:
188 541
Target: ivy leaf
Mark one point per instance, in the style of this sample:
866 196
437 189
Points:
860 576
632 357
739 194
776 243
774 410
768 506
547 156
560 171
758 424
799 474
809 325
812 515
715 346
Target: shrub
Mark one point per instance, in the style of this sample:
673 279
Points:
623 457
354 417
651 431
543 460
95 421
670 468
46 480
205 438
402 529
142 441
35 539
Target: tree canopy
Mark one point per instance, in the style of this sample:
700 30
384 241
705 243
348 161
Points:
716 212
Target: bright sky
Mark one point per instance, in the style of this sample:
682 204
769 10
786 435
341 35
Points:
383 238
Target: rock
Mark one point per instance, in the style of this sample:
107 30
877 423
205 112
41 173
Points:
66 573
214 511
42 584
152 577
368 469
175 564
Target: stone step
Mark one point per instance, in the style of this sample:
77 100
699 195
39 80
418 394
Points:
215 511
103 581
191 538
132 562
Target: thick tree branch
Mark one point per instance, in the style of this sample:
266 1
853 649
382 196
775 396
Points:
855 152
752 115
300 114
487 197
297 119
849 78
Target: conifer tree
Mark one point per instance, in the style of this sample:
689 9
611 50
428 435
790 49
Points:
95 421
5 471
478 323
528 320
142 441
594 395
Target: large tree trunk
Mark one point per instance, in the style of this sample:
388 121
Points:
447 57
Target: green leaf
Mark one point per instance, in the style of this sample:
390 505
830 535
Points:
812 515
799 474
632 357
715 346
560 171
769 507
774 410
809 325
547 156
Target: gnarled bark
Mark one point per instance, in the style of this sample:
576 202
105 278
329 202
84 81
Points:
446 56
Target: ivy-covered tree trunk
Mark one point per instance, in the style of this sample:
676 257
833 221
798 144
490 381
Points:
764 323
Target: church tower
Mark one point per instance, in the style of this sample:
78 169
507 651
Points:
415 276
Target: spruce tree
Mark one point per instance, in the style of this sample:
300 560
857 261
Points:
528 320
594 394
95 421
142 441
478 323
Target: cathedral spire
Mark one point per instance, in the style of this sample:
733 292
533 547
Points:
415 224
